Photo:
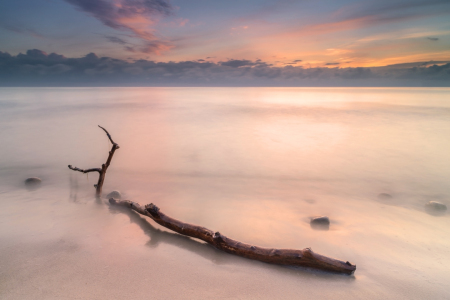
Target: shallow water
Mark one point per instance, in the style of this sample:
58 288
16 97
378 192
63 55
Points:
252 163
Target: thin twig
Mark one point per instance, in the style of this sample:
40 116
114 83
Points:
102 170
85 171
109 136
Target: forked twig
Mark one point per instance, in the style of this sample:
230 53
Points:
102 170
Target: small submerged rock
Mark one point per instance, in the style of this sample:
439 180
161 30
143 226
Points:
33 182
321 223
114 194
384 196
436 206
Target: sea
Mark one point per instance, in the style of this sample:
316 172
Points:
256 164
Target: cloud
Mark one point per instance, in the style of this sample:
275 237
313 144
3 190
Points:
332 64
37 68
150 47
294 62
236 63
119 14
116 40
156 46
21 29
374 13
134 16
395 10
433 39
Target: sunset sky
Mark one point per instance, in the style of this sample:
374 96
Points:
285 32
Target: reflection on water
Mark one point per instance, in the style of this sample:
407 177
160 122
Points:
206 251
253 163
158 236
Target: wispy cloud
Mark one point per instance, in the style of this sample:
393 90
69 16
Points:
434 39
21 29
294 62
116 40
156 46
134 16
385 11
357 16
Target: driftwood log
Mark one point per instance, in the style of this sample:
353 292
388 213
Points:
101 171
304 258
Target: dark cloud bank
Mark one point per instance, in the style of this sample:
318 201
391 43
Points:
36 68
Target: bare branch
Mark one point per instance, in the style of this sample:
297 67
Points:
102 170
85 171
109 136
304 258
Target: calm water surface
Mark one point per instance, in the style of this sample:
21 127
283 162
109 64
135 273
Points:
252 163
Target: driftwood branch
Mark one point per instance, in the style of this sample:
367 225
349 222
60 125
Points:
102 170
304 258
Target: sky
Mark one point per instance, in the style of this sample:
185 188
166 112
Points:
279 36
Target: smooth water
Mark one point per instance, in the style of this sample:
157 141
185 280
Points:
252 163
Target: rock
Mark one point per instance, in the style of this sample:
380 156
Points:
321 220
436 206
33 182
384 196
322 223
114 194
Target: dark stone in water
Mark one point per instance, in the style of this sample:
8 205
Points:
321 223
33 183
436 206
33 180
384 196
114 194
